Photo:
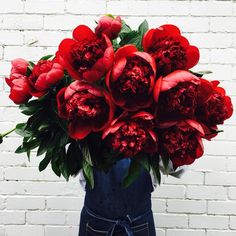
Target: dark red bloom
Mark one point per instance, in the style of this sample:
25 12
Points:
18 82
214 106
87 56
180 141
132 133
109 25
45 74
176 95
170 49
131 79
87 108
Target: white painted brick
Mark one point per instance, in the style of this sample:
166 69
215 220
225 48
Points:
222 207
158 205
209 222
206 192
232 193
1 173
28 53
212 40
167 8
12 217
223 56
11 37
5 69
44 7
67 22
43 38
185 232
2 231
210 163
86 7
13 6
220 72
160 232
61 230
129 8
190 24
2 203
12 230
171 220
65 203
221 178
11 187
233 222
24 203
223 24
231 164
1 52
21 22
10 143
190 177
220 233
186 206
45 217
220 148
73 218
169 191
211 8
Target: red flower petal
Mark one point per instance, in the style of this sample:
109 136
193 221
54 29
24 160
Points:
174 30
118 68
157 89
125 51
78 129
196 125
147 39
193 55
83 32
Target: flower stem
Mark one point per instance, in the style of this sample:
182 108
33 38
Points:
8 132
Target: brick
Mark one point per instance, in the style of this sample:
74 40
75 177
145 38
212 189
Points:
12 217
65 203
158 205
232 222
12 230
73 218
21 22
25 203
11 188
209 222
43 217
169 191
45 7
2 203
223 56
186 206
1 173
223 24
185 232
232 193
231 164
220 233
11 37
220 178
222 207
13 6
220 148
210 8
206 192
171 220
61 230
86 7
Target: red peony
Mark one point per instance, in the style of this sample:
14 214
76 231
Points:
214 106
109 25
18 82
44 75
132 133
87 108
87 56
176 95
170 49
180 141
131 79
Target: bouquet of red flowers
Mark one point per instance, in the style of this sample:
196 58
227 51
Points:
116 93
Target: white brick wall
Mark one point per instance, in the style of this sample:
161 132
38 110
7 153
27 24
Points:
202 203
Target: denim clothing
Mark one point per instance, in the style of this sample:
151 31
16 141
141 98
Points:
110 210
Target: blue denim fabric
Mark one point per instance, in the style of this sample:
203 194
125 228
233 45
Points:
110 210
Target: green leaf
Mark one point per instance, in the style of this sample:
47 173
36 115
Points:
44 163
55 168
157 173
165 161
132 173
201 73
88 174
64 170
154 161
20 129
124 30
45 58
143 28
86 153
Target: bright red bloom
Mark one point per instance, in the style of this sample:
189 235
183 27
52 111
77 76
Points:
170 49
18 82
131 79
87 107
87 56
214 106
132 133
176 95
109 25
180 141
45 74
